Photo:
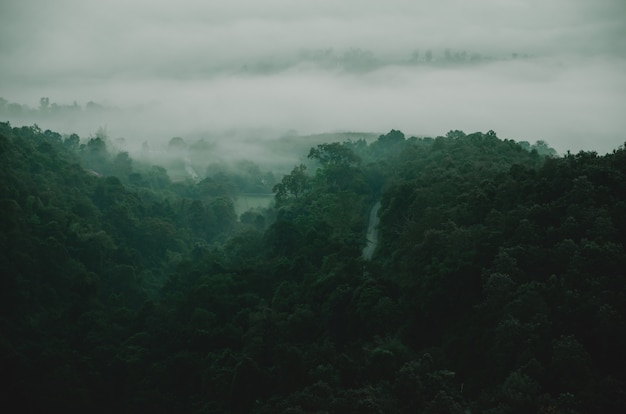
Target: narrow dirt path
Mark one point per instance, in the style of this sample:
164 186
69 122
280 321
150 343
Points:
372 233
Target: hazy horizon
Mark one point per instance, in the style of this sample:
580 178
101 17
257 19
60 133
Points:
527 69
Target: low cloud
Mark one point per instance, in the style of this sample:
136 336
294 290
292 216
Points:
527 69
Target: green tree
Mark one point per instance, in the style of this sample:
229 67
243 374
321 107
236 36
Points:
295 184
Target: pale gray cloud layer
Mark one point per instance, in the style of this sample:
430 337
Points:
179 67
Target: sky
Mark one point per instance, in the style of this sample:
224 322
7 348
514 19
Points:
528 69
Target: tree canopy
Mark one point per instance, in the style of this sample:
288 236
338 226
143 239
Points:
497 284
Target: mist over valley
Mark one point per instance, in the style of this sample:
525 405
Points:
286 206
528 70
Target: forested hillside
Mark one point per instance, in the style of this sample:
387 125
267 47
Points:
497 284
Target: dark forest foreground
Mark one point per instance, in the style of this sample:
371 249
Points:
498 284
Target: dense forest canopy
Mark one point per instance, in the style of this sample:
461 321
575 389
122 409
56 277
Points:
497 283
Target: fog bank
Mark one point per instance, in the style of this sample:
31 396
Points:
526 69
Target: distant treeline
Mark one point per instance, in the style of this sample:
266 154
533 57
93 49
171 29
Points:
498 284
358 60
45 109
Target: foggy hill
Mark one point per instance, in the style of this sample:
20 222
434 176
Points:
497 283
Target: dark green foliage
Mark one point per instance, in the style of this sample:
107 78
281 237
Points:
292 185
497 285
